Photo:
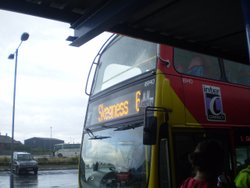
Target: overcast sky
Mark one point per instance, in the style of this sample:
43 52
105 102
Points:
51 78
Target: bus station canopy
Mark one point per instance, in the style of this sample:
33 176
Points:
210 26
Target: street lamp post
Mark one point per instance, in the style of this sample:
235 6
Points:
24 37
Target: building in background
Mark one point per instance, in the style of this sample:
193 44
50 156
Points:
5 144
42 143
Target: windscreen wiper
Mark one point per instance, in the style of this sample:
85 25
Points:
95 137
127 127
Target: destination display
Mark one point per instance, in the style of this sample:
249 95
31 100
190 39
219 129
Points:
121 104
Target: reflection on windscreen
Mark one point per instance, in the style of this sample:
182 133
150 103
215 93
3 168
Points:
118 161
117 73
122 59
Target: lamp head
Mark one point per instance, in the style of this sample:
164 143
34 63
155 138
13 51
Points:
24 36
11 56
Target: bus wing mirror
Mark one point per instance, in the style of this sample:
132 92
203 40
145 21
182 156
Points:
150 123
149 131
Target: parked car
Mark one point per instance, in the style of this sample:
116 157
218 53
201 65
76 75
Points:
24 161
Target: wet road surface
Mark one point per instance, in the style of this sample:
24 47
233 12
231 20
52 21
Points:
44 179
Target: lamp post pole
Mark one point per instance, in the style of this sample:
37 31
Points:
24 37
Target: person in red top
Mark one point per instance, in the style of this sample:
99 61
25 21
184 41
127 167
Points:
208 163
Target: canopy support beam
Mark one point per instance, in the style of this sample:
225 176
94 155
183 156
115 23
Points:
246 14
113 12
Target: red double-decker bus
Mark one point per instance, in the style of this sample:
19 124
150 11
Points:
150 104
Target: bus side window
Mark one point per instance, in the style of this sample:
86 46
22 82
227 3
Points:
244 76
181 60
185 143
242 148
237 73
196 64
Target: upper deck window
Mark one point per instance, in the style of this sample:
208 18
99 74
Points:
122 59
237 73
196 64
